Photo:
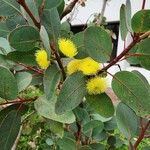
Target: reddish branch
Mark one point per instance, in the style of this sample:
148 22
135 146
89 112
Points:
69 8
142 134
24 5
143 4
125 51
18 101
58 59
31 68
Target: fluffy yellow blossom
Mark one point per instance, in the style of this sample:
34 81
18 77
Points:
67 47
89 67
42 59
73 66
96 85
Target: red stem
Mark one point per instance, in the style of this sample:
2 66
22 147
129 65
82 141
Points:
23 4
31 68
143 4
18 101
126 50
142 134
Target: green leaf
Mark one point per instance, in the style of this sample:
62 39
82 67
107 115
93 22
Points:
140 21
49 4
5 62
123 25
144 50
15 21
23 80
24 38
82 115
101 104
47 109
131 90
93 124
4 31
49 142
142 78
67 143
5 46
71 94
111 124
16 107
126 120
9 129
56 128
98 43
51 22
52 4
23 57
9 7
128 15
85 148
45 40
78 39
97 146
8 84
51 78
133 59
60 7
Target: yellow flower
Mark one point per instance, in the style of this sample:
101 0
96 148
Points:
89 67
96 85
73 66
41 58
67 47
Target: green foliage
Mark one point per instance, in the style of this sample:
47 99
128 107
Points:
140 21
144 51
8 88
47 109
50 81
73 91
101 104
131 89
9 128
29 38
98 48
52 109
126 120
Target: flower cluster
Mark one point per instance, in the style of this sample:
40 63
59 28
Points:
87 66
96 85
67 47
42 59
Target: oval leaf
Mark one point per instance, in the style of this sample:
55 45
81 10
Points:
9 129
8 84
45 40
131 89
24 38
123 25
71 94
140 21
51 77
47 109
9 7
23 80
126 120
145 52
98 43
101 104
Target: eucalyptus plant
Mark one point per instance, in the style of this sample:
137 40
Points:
70 70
